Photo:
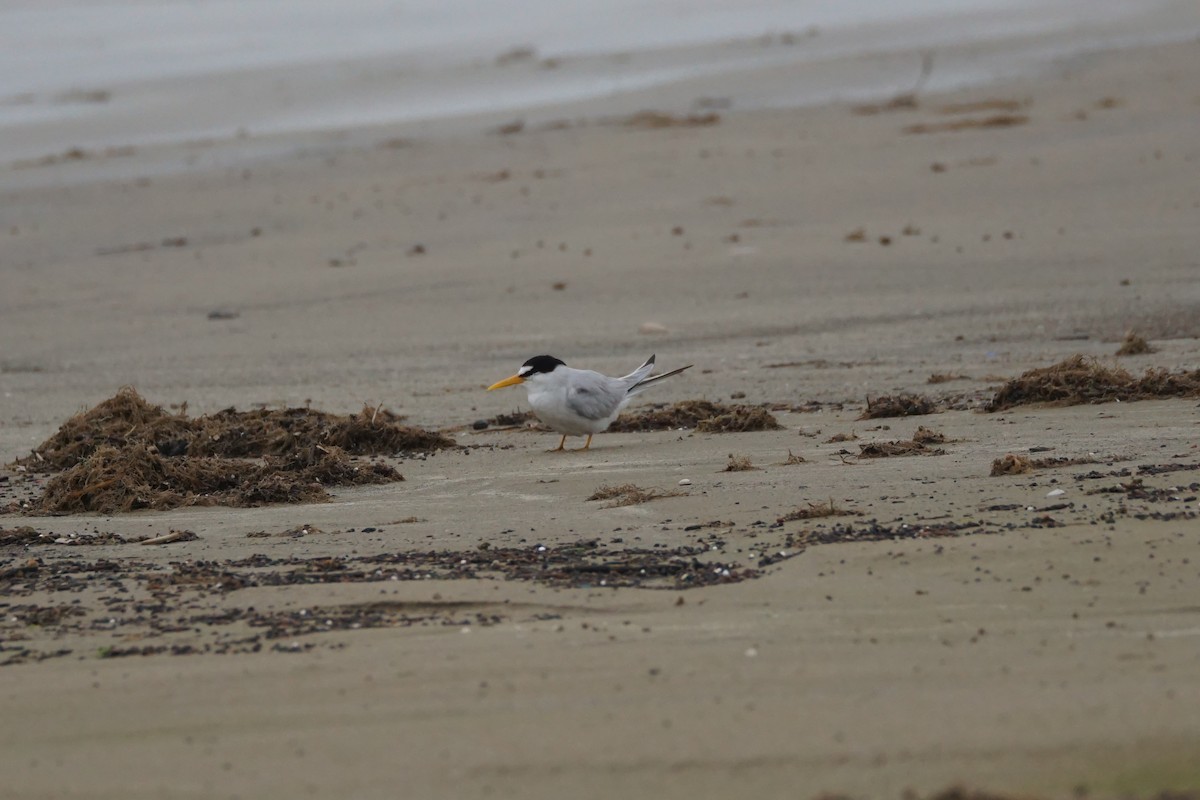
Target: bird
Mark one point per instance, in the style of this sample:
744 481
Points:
579 402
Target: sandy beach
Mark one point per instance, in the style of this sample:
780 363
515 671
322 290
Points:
1028 634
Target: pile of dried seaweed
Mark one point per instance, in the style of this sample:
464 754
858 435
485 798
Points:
126 454
1084 380
127 419
702 415
1134 345
904 405
897 448
136 476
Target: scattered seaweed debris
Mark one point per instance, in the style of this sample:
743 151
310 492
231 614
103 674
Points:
510 420
955 125
925 435
21 536
1079 380
740 419
504 422
1161 469
25 536
1067 461
127 419
1134 345
874 531
793 459
946 377
702 415
901 102
1135 489
658 119
904 405
137 476
897 448
817 511
740 464
978 106
1011 464
45 616
627 494
842 437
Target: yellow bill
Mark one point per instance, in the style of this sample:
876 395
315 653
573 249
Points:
513 381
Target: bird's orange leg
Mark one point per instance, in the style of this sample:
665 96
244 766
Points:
561 443
586 444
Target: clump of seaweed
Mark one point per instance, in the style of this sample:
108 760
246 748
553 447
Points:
127 419
1011 464
627 494
904 405
514 418
739 464
793 459
1134 345
994 121
658 119
896 448
685 414
816 511
740 419
925 435
119 419
136 476
1079 380
702 415
126 454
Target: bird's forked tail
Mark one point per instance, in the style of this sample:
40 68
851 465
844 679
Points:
641 382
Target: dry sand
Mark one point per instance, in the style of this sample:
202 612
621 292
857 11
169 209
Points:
1006 638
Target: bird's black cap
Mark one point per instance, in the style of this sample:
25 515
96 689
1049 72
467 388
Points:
540 364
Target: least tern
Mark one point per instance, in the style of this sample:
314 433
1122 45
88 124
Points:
579 402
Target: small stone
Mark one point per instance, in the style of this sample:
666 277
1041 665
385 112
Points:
652 328
1055 493
479 424
685 482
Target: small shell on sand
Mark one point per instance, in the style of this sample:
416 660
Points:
652 328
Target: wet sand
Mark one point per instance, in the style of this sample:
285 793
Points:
1006 638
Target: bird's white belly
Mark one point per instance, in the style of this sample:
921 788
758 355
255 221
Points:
551 408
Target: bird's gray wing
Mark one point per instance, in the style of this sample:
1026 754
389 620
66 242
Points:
594 396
